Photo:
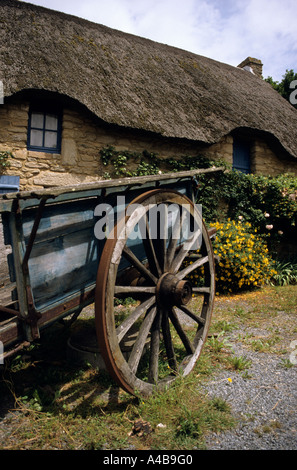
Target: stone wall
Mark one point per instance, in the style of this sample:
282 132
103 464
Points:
265 162
82 138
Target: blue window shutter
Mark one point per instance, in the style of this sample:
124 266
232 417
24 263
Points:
241 156
9 184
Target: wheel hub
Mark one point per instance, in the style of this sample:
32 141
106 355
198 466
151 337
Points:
173 291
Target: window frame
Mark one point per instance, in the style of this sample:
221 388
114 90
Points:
45 110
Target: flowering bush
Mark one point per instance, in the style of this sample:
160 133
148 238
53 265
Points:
244 262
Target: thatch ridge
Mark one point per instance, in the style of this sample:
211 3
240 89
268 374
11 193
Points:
135 82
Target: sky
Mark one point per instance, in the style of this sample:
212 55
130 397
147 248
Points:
224 30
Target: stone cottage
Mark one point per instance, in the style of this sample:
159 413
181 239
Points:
72 87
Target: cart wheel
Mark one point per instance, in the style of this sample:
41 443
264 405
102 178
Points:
160 335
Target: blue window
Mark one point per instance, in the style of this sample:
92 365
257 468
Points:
44 130
241 156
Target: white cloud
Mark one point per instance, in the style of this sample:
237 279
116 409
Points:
225 30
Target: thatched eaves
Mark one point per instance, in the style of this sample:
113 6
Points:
134 82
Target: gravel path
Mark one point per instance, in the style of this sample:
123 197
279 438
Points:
265 404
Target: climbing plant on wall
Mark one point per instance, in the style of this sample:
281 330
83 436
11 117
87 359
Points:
4 162
121 163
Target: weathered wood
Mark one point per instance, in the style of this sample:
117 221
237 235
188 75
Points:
134 290
154 319
191 267
7 286
113 183
129 321
170 351
56 256
153 374
140 342
129 255
180 331
199 320
63 266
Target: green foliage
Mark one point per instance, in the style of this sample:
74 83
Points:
268 203
124 163
192 424
240 363
286 273
218 343
263 206
4 162
283 87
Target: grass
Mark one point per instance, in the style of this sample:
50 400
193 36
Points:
286 273
57 405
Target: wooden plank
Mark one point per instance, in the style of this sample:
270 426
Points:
113 183
7 286
10 331
18 254
65 252
64 265
60 219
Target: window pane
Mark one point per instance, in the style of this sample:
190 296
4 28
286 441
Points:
36 138
50 139
37 120
51 122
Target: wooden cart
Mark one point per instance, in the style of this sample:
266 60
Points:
58 265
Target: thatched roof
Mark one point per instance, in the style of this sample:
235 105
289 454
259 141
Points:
134 82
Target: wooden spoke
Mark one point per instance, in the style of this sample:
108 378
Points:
141 340
135 345
183 252
168 342
196 264
162 241
181 333
175 238
134 290
201 290
150 250
126 325
192 315
155 350
129 255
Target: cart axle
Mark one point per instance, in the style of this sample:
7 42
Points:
173 291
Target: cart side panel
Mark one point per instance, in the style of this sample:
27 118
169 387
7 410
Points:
65 252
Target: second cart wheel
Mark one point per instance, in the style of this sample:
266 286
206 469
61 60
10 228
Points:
147 259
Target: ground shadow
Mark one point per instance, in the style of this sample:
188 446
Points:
42 376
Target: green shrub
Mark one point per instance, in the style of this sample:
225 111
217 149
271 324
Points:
268 203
